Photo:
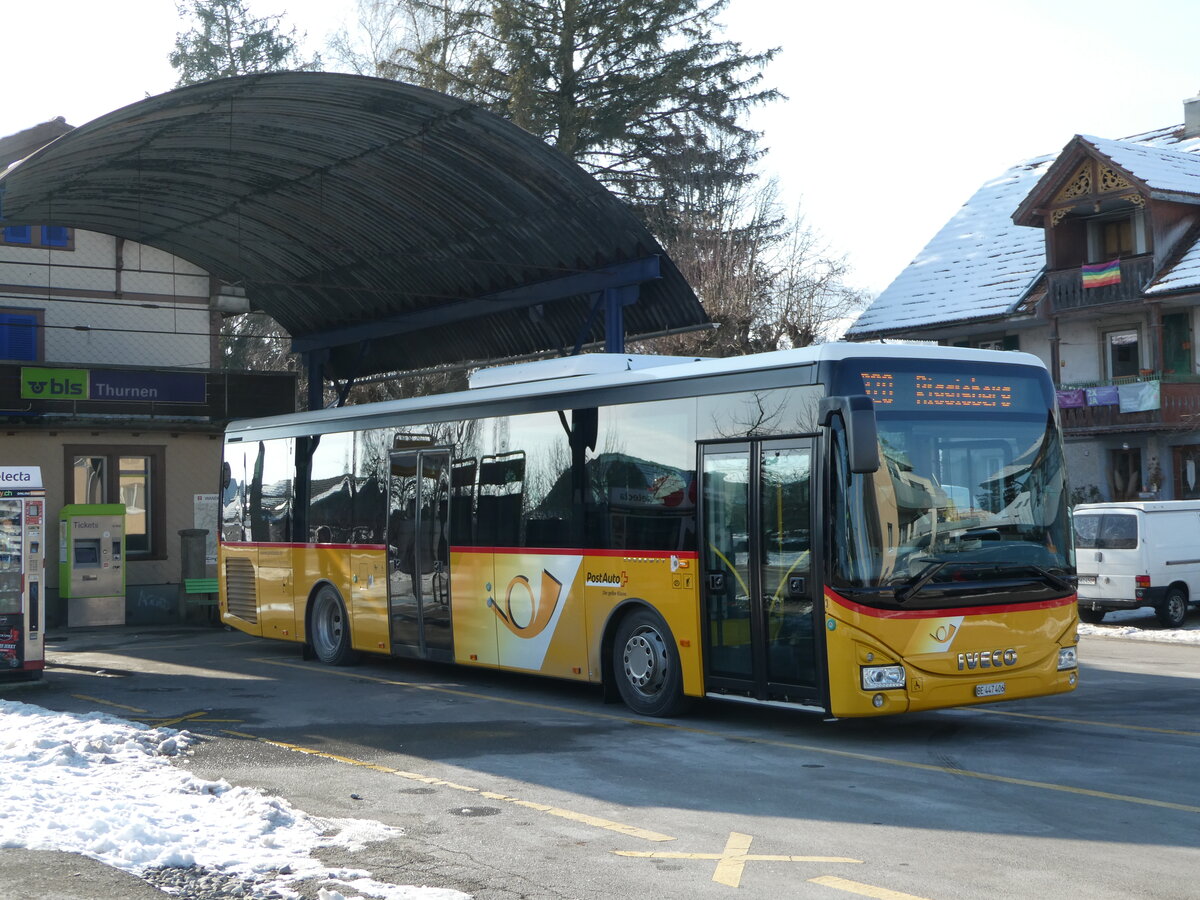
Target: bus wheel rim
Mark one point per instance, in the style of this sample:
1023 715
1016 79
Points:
645 659
326 623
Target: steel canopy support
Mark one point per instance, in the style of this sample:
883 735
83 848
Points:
314 361
615 277
615 301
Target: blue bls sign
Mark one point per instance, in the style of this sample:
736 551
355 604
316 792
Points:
147 387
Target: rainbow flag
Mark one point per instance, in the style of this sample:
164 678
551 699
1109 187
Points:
1102 274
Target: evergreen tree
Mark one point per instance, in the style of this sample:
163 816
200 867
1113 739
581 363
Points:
226 40
623 87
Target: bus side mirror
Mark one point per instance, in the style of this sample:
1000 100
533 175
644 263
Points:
862 438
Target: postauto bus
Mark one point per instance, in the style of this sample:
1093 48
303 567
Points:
854 529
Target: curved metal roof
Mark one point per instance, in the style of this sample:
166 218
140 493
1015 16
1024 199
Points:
354 208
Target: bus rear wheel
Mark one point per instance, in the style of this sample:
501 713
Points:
646 665
329 629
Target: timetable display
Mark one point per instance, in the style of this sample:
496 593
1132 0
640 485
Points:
908 387
915 389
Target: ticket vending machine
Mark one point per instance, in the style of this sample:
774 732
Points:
22 572
91 563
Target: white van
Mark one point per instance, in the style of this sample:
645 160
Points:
1133 554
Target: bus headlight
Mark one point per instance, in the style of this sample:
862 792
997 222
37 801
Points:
1066 658
882 678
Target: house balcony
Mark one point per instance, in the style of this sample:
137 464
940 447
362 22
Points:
1178 408
1066 291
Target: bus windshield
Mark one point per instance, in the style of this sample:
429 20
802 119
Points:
966 508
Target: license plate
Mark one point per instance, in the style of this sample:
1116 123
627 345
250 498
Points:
989 690
1087 579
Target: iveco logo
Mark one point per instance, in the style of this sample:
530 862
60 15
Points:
987 659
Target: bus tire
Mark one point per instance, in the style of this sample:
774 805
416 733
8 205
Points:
329 628
646 665
1173 610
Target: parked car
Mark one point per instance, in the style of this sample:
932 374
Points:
1133 554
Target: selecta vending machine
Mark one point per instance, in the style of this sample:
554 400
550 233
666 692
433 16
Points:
22 572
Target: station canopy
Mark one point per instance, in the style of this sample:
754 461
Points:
394 227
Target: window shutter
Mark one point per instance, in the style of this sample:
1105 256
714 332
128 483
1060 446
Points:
18 337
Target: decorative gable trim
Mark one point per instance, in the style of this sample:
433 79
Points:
1112 180
1080 185
1091 178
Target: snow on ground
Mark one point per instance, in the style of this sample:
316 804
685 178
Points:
1141 625
105 788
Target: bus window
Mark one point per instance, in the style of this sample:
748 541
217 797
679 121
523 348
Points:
331 503
256 505
501 494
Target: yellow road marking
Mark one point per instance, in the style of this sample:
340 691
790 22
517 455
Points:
90 699
768 742
864 890
167 723
594 821
731 861
1018 715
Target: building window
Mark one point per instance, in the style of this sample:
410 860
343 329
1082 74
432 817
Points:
1008 342
54 237
1116 238
21 334
133 476
1125 473
1122 351
1187 471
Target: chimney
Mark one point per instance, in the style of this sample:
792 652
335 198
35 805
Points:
1191 117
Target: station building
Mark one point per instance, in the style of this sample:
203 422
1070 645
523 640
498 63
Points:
111 380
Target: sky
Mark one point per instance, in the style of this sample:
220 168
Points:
120 792
895 112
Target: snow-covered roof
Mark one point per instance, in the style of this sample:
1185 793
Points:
1164 171
1182 276
978 265
982 265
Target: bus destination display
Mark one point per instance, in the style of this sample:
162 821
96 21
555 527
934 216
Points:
914 390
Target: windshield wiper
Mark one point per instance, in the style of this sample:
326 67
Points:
1056 581
908 591
923 578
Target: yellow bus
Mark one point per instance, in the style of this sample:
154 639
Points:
853 529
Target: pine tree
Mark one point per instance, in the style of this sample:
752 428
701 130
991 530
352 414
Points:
226 40
623 87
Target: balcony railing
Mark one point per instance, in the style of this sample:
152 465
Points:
1179 407
1066 290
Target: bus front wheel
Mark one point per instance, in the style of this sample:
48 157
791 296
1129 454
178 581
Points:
646 665
329 629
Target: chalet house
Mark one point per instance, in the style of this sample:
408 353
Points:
1090 260
111 381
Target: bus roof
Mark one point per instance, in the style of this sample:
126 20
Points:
597 372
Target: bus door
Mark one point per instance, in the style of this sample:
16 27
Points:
418 542
758 585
